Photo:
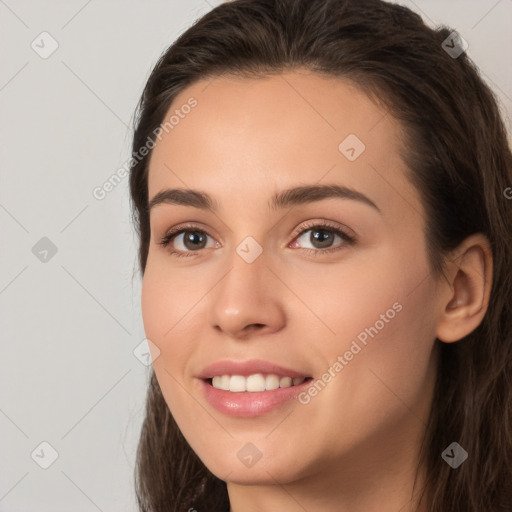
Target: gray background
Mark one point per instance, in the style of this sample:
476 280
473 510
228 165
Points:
70 321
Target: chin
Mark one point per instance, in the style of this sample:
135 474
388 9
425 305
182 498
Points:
262 472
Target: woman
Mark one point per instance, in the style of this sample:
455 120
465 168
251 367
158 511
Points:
320 193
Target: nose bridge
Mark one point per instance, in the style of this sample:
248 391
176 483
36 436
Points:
248 293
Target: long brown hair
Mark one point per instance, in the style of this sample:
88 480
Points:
459 160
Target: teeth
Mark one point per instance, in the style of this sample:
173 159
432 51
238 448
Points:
253 383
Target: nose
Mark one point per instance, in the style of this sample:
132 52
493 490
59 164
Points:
248 299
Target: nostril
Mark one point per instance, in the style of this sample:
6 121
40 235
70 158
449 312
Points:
256 326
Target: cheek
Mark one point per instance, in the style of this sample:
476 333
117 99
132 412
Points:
153 303
380 313
168 313
392 374
165 300
341 300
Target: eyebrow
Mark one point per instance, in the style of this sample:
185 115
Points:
283 199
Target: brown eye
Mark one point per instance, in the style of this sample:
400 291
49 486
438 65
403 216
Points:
193 240
185 241
322 238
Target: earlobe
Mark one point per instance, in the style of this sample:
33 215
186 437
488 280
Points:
464 298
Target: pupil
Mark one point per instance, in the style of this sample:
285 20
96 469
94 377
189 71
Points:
322 239
191 238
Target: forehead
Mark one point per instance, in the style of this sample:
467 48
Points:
247 138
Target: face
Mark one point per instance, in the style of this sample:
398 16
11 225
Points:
333 285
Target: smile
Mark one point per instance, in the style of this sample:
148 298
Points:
253 383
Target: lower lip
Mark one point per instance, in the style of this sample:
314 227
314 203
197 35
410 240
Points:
247 403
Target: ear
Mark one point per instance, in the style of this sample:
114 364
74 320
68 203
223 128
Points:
464 297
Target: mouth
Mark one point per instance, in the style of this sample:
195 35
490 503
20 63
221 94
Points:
252 387
255 383
248 396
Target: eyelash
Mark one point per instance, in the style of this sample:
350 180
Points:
170 235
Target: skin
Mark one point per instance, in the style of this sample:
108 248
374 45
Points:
354 446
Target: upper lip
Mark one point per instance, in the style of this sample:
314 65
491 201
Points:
245 368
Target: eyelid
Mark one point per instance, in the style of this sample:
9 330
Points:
324 224
181 227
